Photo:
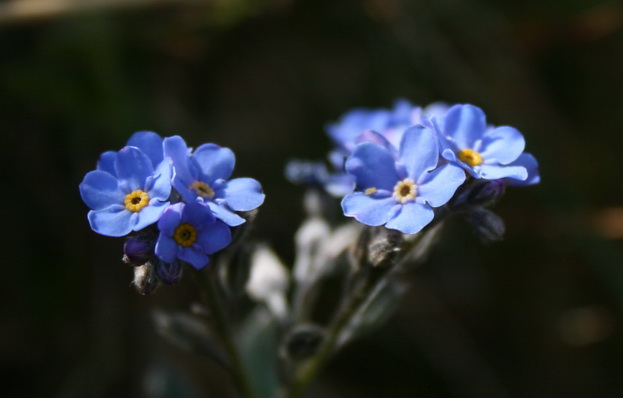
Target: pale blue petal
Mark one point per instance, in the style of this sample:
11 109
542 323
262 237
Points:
171 218
149 214
166 249
368 210
188 195
227 216
372 166
438 186
465 124
213 162
100 189
502 145
373 136
150 143
193 256
493 172
133 167
241 194
214 237
411 218
106 162
159 185
197 214
419 151
176 149
532 166
112 221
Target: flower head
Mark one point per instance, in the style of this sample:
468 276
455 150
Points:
203 176
484 151
190 233
131 198
400 191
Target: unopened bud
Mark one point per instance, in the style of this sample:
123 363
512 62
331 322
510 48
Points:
487 225
384 247
303 341
169 273
137 249
478 193
145 279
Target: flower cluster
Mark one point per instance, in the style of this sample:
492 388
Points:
173 204
394 167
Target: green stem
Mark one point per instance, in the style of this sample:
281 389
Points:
309 370
219 322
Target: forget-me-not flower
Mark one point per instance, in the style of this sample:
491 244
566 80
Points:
483 151
147 141
190 233
400 192
203 176
131 198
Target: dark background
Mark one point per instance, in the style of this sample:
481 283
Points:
536 315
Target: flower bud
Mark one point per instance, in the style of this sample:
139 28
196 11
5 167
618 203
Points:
145 279
137 249
478 193
303 341
169 273
487 225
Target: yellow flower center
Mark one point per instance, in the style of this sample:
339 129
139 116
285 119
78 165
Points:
185 235
405 190
136 200
472 158
202 189
370 191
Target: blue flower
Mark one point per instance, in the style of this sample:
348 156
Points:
382 126
202 176
483 151
190 233
532 166
147 141
400 192
131 198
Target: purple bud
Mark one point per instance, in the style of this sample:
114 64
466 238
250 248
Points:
478 193
169 273
487 225
137 249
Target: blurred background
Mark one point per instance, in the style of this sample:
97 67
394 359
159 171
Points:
536 315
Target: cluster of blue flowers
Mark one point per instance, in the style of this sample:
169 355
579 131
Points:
393 167
174 204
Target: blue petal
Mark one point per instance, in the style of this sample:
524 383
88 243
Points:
368 210
372 166
214 162
373 136
193 256
197 214
532 166
149 214
411 218
150 143
133 167
106 162
112 221
214 237
494 172
502 145
438 186
419 151
465 124
166 249
100 189
158 186
241 194
176 149
171 218
227 216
